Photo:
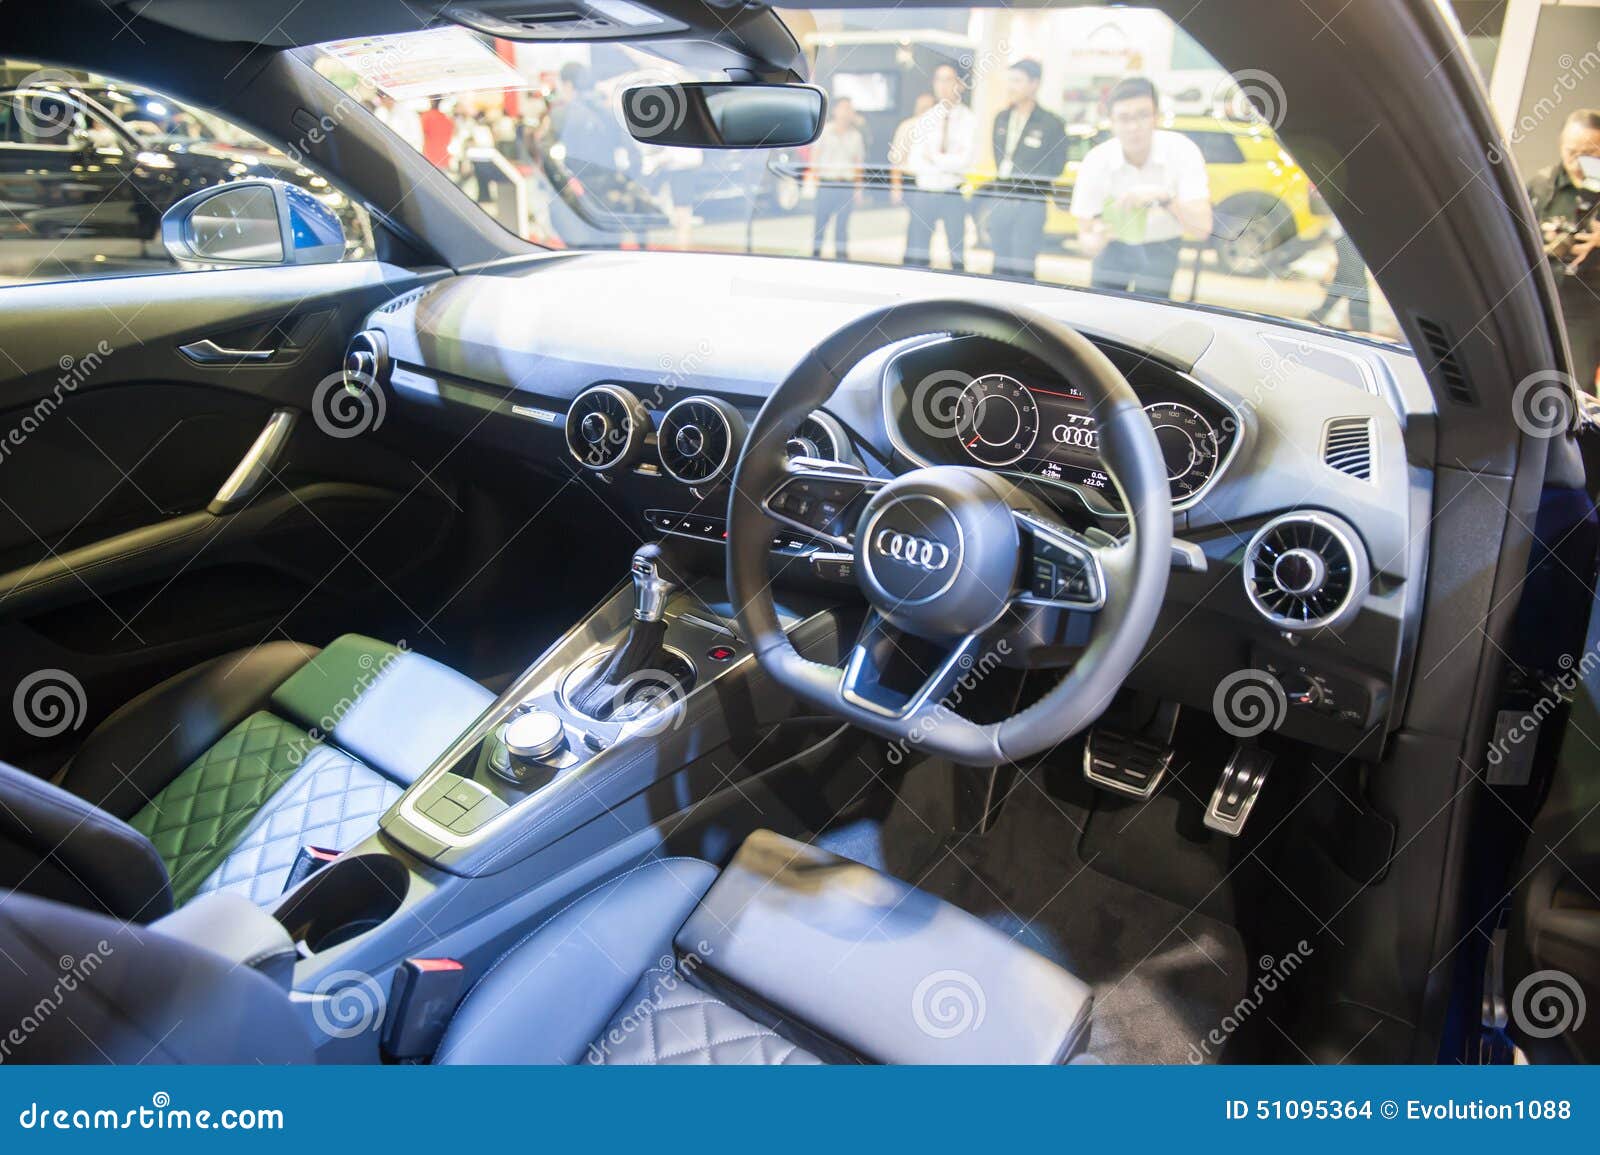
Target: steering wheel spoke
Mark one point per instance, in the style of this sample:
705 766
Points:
869 684
1063 569
822 498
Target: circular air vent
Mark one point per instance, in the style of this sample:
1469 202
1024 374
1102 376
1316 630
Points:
821 437
606 426
366 361
699 440
1305 571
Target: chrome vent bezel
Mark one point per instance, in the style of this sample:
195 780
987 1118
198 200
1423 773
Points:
832 444
1345 562
723 429
629 420
1347 446
366 361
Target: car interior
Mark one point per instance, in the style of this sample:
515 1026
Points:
429 646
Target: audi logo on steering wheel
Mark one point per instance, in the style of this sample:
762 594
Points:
909 549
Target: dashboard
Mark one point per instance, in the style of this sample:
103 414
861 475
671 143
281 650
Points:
637 376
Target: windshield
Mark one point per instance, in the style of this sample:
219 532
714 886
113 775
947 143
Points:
1093 147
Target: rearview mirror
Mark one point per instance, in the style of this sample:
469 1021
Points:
252 222
724 115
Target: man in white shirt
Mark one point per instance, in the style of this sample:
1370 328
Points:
1138 195
938 157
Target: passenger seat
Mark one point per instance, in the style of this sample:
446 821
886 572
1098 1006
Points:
214 779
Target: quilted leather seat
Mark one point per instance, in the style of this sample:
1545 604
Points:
789 955
214 779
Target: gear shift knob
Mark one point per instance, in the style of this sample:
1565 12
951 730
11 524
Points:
652 582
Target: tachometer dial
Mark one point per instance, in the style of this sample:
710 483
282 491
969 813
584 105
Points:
1189 444
997 420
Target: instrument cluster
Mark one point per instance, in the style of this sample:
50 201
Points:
967 401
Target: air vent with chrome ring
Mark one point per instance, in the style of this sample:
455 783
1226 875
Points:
606 427
1306 571
366 361
699 440
821 438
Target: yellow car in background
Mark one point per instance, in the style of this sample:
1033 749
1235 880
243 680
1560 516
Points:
1267 210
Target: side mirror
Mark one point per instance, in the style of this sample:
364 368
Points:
725 115
252 222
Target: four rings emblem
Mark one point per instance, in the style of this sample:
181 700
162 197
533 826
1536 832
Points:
909 549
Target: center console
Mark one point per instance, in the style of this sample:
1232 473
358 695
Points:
651 706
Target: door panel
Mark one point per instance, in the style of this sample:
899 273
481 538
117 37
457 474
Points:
1552 979
113 444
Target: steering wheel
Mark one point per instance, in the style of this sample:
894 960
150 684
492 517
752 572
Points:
950 554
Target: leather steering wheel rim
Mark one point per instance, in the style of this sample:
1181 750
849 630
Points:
1136 570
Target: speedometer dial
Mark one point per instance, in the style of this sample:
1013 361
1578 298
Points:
997 420
1188 442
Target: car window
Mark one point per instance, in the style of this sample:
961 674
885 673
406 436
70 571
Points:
1217 147
88 165
1094 147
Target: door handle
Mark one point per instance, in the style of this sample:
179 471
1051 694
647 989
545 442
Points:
256 465
208 352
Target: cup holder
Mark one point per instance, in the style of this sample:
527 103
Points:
346 898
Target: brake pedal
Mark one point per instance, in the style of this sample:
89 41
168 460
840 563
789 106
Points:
1131 764
1238 789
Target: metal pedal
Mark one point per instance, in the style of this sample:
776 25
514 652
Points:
1238 788
1131 764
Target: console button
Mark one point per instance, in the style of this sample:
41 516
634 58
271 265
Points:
444 812
465 794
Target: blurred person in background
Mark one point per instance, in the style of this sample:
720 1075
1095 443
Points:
837 159
400 120
438 131
1139 194
1347 283
938 157
900 145
1030 151
1565 198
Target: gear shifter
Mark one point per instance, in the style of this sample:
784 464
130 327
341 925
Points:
641 649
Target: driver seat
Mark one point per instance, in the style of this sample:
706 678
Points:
789 955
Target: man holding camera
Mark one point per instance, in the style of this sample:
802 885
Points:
1565 197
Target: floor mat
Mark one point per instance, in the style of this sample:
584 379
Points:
1163 978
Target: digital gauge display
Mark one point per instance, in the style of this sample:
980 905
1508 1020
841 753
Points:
1049 433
